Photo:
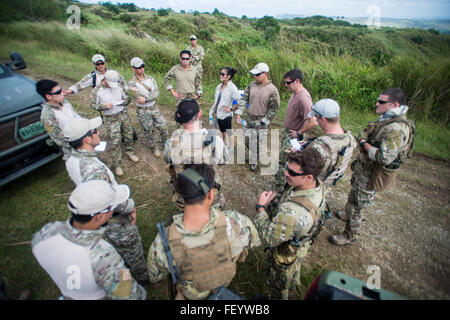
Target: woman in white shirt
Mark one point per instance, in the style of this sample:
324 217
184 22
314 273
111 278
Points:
223 108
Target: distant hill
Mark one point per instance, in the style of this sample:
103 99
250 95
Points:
437 24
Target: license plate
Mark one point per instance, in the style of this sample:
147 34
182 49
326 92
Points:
32 130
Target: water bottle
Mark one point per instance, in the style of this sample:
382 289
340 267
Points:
243 122
211 120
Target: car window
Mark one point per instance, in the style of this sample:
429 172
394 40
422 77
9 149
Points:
2 70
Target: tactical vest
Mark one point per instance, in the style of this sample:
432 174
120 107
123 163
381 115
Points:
341 151
208 266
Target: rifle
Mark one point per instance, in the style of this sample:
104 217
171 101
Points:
174 273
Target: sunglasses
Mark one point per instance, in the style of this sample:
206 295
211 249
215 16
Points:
383 102
292 173
142 66
186 58
92 132
110 208
56 92
223 74
289 82
258 74
99 63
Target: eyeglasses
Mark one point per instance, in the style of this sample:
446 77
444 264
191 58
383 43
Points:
292 173
142 66
317 114
383 102
223 74
99 63
258 74
288 82
56 92
186 58
92 132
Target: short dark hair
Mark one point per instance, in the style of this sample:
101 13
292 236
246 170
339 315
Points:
190 192
45 86
82 218
395 94
185 52
294 74
309 160
230 71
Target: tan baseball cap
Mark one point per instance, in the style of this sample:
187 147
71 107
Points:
98 57
77 128
327 108
136 62
259 68
94 196
112 77
193 37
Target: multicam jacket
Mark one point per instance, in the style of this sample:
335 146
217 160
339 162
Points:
54 119
82 264
88 81
147 88
241 233
197 55
188 83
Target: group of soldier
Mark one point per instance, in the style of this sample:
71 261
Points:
101 239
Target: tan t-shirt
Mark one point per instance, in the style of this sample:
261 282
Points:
299 106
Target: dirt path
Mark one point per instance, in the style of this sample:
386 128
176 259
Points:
405 233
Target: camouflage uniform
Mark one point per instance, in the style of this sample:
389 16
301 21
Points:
117 125
188 83
284 220
198 53
88 81
184 147
107 276
120 233
241 233
260 121
148 114
54 119
387 147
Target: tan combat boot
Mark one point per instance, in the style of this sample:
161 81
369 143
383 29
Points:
157 153
119 171
342 239
131 156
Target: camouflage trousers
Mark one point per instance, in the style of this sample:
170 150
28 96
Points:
118 126
126 239
151 118
360 197
254 136
283 156
284 272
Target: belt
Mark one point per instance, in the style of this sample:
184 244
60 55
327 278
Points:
115 114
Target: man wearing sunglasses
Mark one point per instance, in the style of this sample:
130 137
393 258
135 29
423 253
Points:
383 145
197 52
83 165
188 81
205 241
94 78
290 221
56 112
263 100
73 253
146 90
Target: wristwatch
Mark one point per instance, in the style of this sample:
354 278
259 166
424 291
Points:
362 143
259 206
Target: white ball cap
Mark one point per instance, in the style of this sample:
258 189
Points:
112 77
193 37
98 57
78 127
94 196
326 108
259 68
136 62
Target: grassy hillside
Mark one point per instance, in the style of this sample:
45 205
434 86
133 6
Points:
349 63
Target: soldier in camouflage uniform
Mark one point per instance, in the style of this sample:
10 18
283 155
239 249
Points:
192 144
205 241
95 78
84 166
111 98
263 101
335 146
197 52
383 145
188 81
289 222
82 265
148 114
56 113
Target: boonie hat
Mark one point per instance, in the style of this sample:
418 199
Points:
186 110
259 68
98 57
327 108
77 128
112 77
193 37
136 62
93 196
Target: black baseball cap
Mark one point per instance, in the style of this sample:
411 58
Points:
186 110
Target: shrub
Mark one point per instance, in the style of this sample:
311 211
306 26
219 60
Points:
163 12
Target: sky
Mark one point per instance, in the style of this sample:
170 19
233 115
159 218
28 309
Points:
404 9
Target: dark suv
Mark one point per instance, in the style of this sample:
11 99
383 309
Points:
24 143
